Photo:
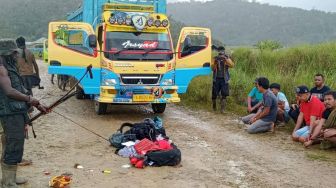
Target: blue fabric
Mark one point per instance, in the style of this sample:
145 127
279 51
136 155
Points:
269 100
303 132
255 94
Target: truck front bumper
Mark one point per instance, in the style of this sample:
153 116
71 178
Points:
138 94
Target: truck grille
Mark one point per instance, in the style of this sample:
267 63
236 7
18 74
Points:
143 79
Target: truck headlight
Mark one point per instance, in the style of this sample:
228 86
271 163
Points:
167 82
110 82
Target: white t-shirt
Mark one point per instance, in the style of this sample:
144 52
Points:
282 97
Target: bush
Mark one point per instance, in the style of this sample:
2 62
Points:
289 67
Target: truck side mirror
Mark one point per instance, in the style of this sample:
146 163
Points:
92 41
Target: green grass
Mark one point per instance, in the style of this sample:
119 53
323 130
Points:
321 155
289 67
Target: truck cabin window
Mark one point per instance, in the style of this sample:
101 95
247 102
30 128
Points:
127 46
192 44
76 40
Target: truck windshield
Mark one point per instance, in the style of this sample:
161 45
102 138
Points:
126 46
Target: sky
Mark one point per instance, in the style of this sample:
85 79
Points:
324 5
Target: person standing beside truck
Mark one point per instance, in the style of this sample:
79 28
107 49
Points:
27 65
221 77
14 105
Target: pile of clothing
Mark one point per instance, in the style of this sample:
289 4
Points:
146 144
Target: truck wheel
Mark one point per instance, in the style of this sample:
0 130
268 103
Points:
159 108
79 93
100 108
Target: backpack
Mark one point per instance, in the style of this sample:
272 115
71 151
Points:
164 158
119 137
143 130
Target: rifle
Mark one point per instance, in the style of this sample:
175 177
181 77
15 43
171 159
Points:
64 98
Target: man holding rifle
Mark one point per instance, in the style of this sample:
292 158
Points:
14 105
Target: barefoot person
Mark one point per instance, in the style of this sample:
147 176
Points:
264 120
311 109
318 129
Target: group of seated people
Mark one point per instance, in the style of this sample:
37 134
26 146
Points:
313 113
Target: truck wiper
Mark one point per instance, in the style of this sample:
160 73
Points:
154 49
125 49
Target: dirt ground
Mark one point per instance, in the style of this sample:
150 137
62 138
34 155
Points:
215 151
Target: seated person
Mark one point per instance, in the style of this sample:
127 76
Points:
317 91
320 88
311 109
283 105
294 111
254 99
263 121
318 129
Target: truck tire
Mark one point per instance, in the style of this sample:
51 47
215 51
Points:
100 108
159 108
79 93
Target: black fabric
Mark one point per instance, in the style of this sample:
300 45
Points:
9 106
326 113
120 137
165 158
136 131
294 114
14 132
143 130
220 87
319 92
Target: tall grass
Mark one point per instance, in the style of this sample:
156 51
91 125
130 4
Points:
289 67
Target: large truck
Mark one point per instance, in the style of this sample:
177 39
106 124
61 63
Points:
129 45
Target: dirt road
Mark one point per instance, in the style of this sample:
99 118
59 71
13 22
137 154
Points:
215 151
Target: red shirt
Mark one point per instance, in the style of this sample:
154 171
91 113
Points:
313 107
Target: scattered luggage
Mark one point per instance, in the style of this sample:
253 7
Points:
147 144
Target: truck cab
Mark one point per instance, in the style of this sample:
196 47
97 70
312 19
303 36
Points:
131 50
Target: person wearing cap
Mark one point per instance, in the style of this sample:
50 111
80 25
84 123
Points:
221 77
311 109
283 105
254 99
320 87
14 104
264 119
27 65
321 128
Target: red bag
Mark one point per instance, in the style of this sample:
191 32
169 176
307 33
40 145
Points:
144 146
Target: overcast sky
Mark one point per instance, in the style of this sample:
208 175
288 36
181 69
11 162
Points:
325 5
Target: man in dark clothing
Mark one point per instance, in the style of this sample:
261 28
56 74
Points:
263 121
320 87
14 103
220 67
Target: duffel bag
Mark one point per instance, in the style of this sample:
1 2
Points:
164 158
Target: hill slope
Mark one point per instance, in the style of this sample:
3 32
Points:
241 23
30 18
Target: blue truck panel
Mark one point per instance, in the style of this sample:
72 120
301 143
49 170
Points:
91 10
